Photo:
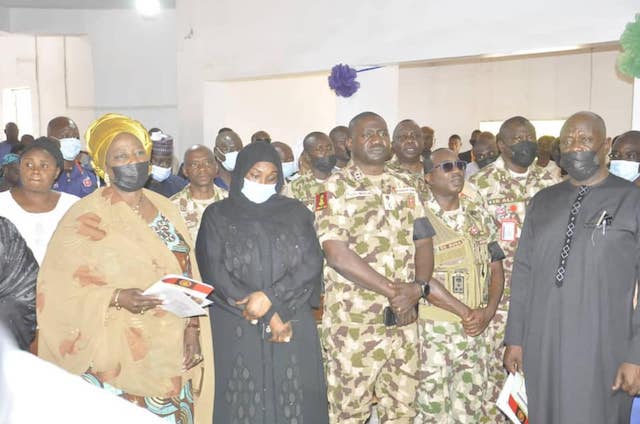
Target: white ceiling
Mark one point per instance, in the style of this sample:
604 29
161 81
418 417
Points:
79 4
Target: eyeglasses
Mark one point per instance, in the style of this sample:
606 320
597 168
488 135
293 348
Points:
630 156
448 165
197 165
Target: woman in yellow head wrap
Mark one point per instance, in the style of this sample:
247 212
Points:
111 246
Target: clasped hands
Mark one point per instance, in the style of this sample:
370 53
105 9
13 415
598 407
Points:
256 305
475 321
403 300
405 296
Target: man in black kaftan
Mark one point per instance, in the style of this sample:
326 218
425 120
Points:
572 328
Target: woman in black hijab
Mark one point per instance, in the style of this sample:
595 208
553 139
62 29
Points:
260 251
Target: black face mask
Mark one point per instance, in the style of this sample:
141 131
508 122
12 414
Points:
580 165
131 177
486 161
324 164
523 153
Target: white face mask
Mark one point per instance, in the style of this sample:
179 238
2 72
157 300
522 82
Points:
70 147
229 162
288 169
159 173
256 192
626 169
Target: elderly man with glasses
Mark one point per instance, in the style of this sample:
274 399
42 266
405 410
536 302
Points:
201 167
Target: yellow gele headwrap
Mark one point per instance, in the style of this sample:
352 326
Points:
102 131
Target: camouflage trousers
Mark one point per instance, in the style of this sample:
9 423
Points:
453 374
497 373
364 362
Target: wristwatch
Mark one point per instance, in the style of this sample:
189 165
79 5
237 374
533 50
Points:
424 286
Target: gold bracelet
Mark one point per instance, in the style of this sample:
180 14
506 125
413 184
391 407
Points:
115 300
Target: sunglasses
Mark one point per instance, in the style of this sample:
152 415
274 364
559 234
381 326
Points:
449 165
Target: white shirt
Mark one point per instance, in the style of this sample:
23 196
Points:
35 228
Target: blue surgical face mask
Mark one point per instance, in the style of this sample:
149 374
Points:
256 192
70 147
159 173
288 169
626 169
229 162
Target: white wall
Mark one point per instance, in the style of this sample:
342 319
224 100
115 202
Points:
378 92
245 38
17 69
454 98
229 39
134 59
69 94
450 97
4 19
156 70
287 108
39 64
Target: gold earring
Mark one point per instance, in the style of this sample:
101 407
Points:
107 180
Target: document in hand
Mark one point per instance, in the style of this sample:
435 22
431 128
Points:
513 399
182 296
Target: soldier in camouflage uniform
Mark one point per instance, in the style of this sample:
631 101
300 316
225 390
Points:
339 136
309 188
468 261
200 167
506 186
377 243
408 145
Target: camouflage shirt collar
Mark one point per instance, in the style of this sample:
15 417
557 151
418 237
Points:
397 166
457 222
534 173
186 192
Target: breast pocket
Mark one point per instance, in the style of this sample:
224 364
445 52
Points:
602 218
609 231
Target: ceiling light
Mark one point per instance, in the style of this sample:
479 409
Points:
148 7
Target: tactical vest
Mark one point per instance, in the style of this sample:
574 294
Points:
461 264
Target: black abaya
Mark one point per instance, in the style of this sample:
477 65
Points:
244 247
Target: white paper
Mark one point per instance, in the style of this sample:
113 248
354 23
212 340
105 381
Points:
179 300
513 399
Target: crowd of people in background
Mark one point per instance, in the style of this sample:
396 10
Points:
374 277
